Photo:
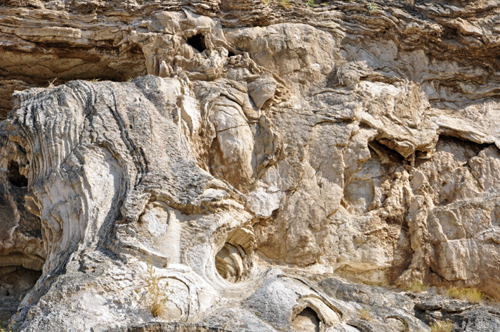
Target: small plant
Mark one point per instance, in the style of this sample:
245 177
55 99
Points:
371 6
95 80
310 3
156 295
265 2
472 295
9 328
440 326
285 4
51 85
365 314
416 287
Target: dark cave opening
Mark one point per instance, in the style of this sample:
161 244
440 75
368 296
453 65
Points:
15 283
197 41
14 176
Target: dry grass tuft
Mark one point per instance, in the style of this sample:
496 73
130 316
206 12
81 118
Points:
371 6
51 83
156 295
365 314
446 326
472 295
158 309
7 329
416 287
285 4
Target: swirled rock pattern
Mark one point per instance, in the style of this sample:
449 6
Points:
263 158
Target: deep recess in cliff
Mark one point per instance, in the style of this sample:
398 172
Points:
283 165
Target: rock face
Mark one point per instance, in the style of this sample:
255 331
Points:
246 165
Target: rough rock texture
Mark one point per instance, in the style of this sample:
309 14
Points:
276 153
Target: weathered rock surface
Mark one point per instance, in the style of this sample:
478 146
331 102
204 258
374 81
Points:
275 155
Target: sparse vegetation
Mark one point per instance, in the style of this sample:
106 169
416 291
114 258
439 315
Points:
472 295
440 326
156 295
51 84
416 287
371 6
365 314
95 80
9 328
285 4
310 3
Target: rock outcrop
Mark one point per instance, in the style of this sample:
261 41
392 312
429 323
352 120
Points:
247 165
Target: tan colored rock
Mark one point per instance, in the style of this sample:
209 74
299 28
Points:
273 149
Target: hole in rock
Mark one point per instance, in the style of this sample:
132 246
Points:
384 154
230 54
461 149
16 178
197 41
306 321
229 262
15 282
234 260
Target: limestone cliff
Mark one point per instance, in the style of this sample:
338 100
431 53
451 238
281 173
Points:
258 161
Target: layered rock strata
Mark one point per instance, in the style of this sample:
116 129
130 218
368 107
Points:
273 151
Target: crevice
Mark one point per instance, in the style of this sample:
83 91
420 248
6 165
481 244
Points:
15 283
198 42
458 140
15 177
385 153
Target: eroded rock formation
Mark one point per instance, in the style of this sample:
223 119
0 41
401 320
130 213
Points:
275 153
